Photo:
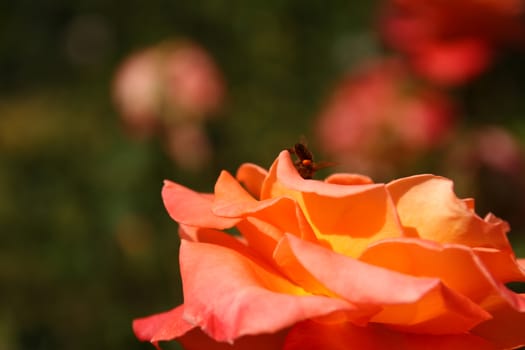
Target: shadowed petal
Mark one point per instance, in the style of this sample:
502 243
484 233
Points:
252 177
312 335
229 295
198 340
507 327
206 235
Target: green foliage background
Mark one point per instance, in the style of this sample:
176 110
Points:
86 245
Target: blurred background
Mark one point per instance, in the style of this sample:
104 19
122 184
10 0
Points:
101 101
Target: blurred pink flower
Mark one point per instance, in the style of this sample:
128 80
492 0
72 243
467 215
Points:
173 86
490 147
451 42
379 118
193 82
136 92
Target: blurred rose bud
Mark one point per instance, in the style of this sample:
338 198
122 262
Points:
172 81
452 42
379 118
137 92
173 86
188 145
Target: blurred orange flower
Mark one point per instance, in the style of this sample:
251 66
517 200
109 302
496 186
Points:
450 42
379 118
342 263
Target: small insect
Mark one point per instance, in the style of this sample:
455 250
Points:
305 165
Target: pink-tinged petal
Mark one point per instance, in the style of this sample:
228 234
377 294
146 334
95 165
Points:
521 262
229 294
348 217
419 304
507 327
427 206
192 208
252 177
198 340
171 325
312 335
164 326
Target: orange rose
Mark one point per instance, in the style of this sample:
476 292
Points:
339 264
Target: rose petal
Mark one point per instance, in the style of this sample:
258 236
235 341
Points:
252 177
171 325
260 235
162 327
427 205
229 294
206 235
507 327
501 264
457 266
417 303
348 217
232 200
521 262
192 208
229 193
312 335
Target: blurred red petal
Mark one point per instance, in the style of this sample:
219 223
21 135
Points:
192 208
452 63
312 335
230 294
